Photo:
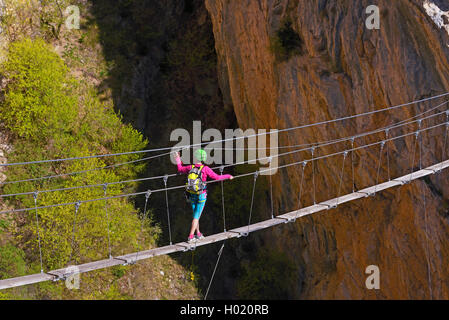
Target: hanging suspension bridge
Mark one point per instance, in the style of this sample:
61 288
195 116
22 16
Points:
437 118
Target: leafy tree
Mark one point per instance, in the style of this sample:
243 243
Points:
26 18
37 102
53 116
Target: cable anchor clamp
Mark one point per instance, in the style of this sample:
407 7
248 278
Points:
256 174
312 150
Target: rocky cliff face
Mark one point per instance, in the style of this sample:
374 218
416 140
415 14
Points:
285 63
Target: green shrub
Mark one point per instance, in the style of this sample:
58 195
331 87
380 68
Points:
26 18
270 276
12 261
53 116
37 102
286 42
90 240
4 224
4 296
118 271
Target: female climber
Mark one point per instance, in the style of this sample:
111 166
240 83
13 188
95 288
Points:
196 187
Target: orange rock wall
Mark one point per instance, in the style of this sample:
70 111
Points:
346 69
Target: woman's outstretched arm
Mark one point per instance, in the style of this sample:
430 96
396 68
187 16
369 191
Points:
211 174
181 167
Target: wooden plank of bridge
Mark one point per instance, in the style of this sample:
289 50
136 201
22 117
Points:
184 246
181 246
243 231
25 280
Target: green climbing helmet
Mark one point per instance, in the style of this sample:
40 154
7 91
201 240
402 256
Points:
200 155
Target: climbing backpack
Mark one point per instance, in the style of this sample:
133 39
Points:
194 182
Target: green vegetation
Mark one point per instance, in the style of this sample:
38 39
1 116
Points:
44 18
4 224
51 115
270 276
12 261
38 92
118 271
286 42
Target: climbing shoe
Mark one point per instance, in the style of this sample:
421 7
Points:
199 236
191 238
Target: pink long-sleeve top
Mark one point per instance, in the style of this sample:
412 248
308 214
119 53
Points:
205 173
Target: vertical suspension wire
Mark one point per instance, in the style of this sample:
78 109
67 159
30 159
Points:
271 189
443 152
142 218
414 154
352 164
345 154
420 151
77 206
304 163
328 188
256 174
382 145
215 269
105 187
222 200
38 232
312 150
388 154
168 210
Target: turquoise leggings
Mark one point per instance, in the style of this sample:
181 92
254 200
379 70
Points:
197 201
